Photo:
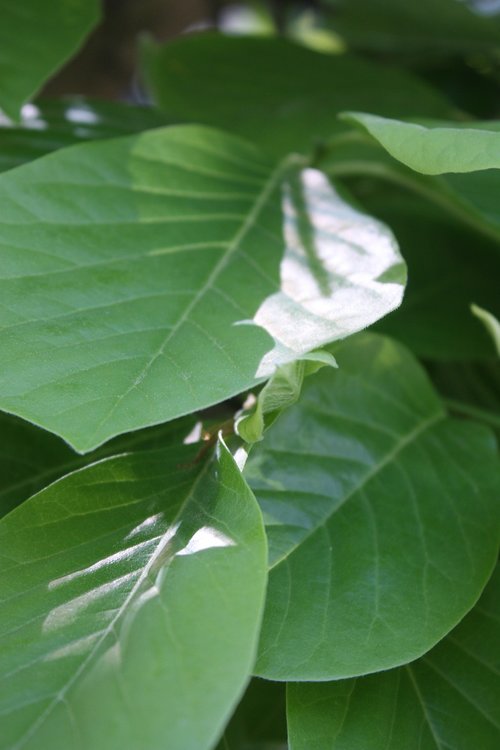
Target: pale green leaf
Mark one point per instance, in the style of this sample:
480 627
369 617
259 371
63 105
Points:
151 276
49 125
287 99
447 700
131 595
280 392
36 38
381 514
491 323
435 148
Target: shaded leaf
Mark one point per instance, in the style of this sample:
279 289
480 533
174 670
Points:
290 97
435 148
381 514
126 266
440 27
49 125
448 700
31 458
131 596
35 40
259 722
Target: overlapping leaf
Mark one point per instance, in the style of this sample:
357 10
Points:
288 99
381 514
447 700
435 148
36 38
131 595
126 267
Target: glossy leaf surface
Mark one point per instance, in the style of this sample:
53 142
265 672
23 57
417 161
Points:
447 700
36 38
437 148
290 97
49 125
382 518
131 595
131 271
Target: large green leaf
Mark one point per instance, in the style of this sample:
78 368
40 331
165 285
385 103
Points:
448 700
288 98
131 595
428 26
126 265
49 125
381 514
36 38
31 458
438 147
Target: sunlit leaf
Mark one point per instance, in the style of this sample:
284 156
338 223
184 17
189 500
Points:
435 148
288 99
131 595
491 323
447 700
36 38
381 513
147 277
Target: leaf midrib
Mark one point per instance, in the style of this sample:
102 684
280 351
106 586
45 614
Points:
155 563
399 446
232 247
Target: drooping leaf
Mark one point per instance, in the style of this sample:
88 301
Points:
381 514
435 148
288 99
279 393
36 38
447 700
491 323
439 27
131 595
126 265
49 125
31 458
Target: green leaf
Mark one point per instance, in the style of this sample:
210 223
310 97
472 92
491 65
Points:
49 125
36 38
448 700
131 599
279 393
31 458
381 515
140 278
491 323
438 147
288 100
440 27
